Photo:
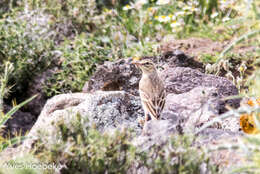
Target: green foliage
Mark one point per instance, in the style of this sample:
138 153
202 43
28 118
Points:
26 47
83 148
78 60
178 156
4 89
15 166
7 5
72 37
80 12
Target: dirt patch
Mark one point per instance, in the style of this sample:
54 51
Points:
193 46
197 46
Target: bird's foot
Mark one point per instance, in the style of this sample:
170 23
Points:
141 122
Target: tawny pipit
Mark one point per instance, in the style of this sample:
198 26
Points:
151 89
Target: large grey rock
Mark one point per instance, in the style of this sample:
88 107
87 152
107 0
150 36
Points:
197 107
156 133
181 80
107 110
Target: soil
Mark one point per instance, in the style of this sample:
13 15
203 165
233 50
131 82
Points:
193 46
197 46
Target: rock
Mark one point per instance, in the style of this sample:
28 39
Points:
178 77
177 58
113 76
181 80
122 75
107 110
114 109
197 107
155 133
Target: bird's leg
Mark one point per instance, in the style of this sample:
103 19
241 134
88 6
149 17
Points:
146 118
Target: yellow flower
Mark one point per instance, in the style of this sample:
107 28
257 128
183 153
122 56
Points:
150 9
247 122
251 102
241 69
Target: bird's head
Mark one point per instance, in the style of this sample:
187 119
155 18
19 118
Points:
146 65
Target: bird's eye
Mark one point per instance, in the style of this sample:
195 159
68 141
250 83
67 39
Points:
147 64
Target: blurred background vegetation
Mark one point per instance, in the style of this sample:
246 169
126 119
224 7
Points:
70 38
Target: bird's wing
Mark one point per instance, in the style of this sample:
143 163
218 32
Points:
160 102
154 105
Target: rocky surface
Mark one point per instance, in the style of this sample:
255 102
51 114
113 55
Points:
122 75
107 110
181 80
114 76
178 78
113 109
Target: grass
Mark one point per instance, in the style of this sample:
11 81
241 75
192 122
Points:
4 117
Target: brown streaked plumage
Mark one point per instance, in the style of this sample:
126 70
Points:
151 89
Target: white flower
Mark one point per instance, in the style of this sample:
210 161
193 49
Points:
180 13
175 24
164 19
186 7
194 9
162 2
180 4
173 17
213 15
190 8
225 19
140 3
127 7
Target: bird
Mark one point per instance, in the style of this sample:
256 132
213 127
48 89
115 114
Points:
151 90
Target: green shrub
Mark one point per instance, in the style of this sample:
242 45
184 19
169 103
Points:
27 46
82 148
179 156
4 117
7 5
81 13
78 59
